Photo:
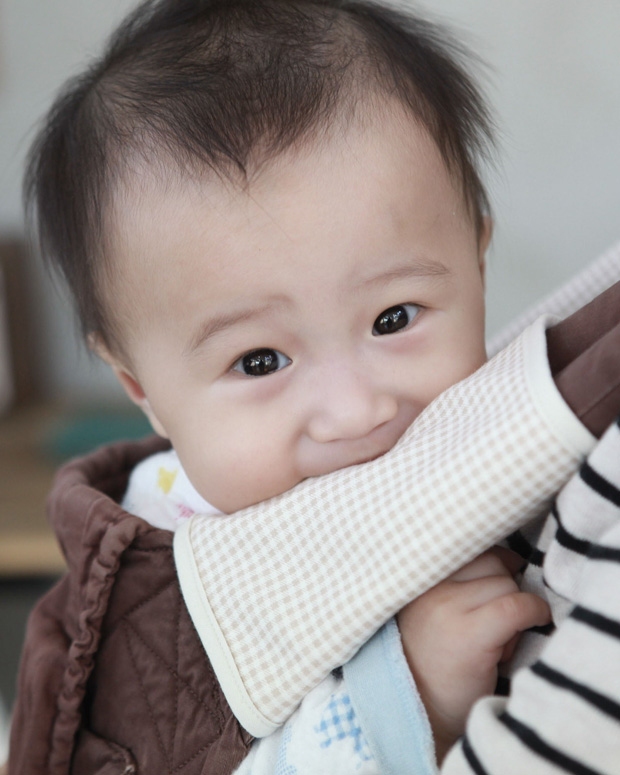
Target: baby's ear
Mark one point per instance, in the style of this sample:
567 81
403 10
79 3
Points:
486 232
130 384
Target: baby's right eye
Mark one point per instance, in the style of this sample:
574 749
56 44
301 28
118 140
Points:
259 363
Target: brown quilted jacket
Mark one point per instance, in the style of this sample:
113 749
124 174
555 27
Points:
113 677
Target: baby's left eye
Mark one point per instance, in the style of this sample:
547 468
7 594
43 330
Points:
395 319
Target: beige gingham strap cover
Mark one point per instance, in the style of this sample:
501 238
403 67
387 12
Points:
284 591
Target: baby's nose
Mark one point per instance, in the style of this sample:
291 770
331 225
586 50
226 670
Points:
349 409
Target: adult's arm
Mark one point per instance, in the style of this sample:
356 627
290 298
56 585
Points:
563 713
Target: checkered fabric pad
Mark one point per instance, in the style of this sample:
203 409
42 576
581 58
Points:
282 592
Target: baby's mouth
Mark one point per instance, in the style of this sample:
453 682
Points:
369 459
340 464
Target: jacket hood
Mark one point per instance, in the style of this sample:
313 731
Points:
85 498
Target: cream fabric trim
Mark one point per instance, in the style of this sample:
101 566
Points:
213 640
551 406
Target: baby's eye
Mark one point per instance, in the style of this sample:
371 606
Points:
258 363
395 319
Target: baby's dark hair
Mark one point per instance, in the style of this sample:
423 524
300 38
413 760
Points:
219 85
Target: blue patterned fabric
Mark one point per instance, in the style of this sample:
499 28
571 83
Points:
367 720
388 707
339 722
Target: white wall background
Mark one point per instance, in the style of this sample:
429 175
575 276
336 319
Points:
555 84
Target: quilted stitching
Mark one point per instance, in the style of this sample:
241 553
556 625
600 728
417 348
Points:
164 676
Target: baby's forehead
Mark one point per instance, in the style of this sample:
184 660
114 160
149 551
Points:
164 202
176 183
389 154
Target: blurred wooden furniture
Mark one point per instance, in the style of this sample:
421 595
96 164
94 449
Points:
27 545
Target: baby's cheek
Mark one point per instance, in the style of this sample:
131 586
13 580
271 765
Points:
456 369
247 468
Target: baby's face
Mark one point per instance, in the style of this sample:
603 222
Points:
300 326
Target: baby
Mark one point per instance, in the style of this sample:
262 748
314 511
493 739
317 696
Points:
295 320
271 218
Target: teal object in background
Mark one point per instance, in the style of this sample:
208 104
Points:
82 431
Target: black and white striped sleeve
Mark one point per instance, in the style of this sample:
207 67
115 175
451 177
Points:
563 711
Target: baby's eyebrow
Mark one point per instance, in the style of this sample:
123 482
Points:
410 268
224 320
